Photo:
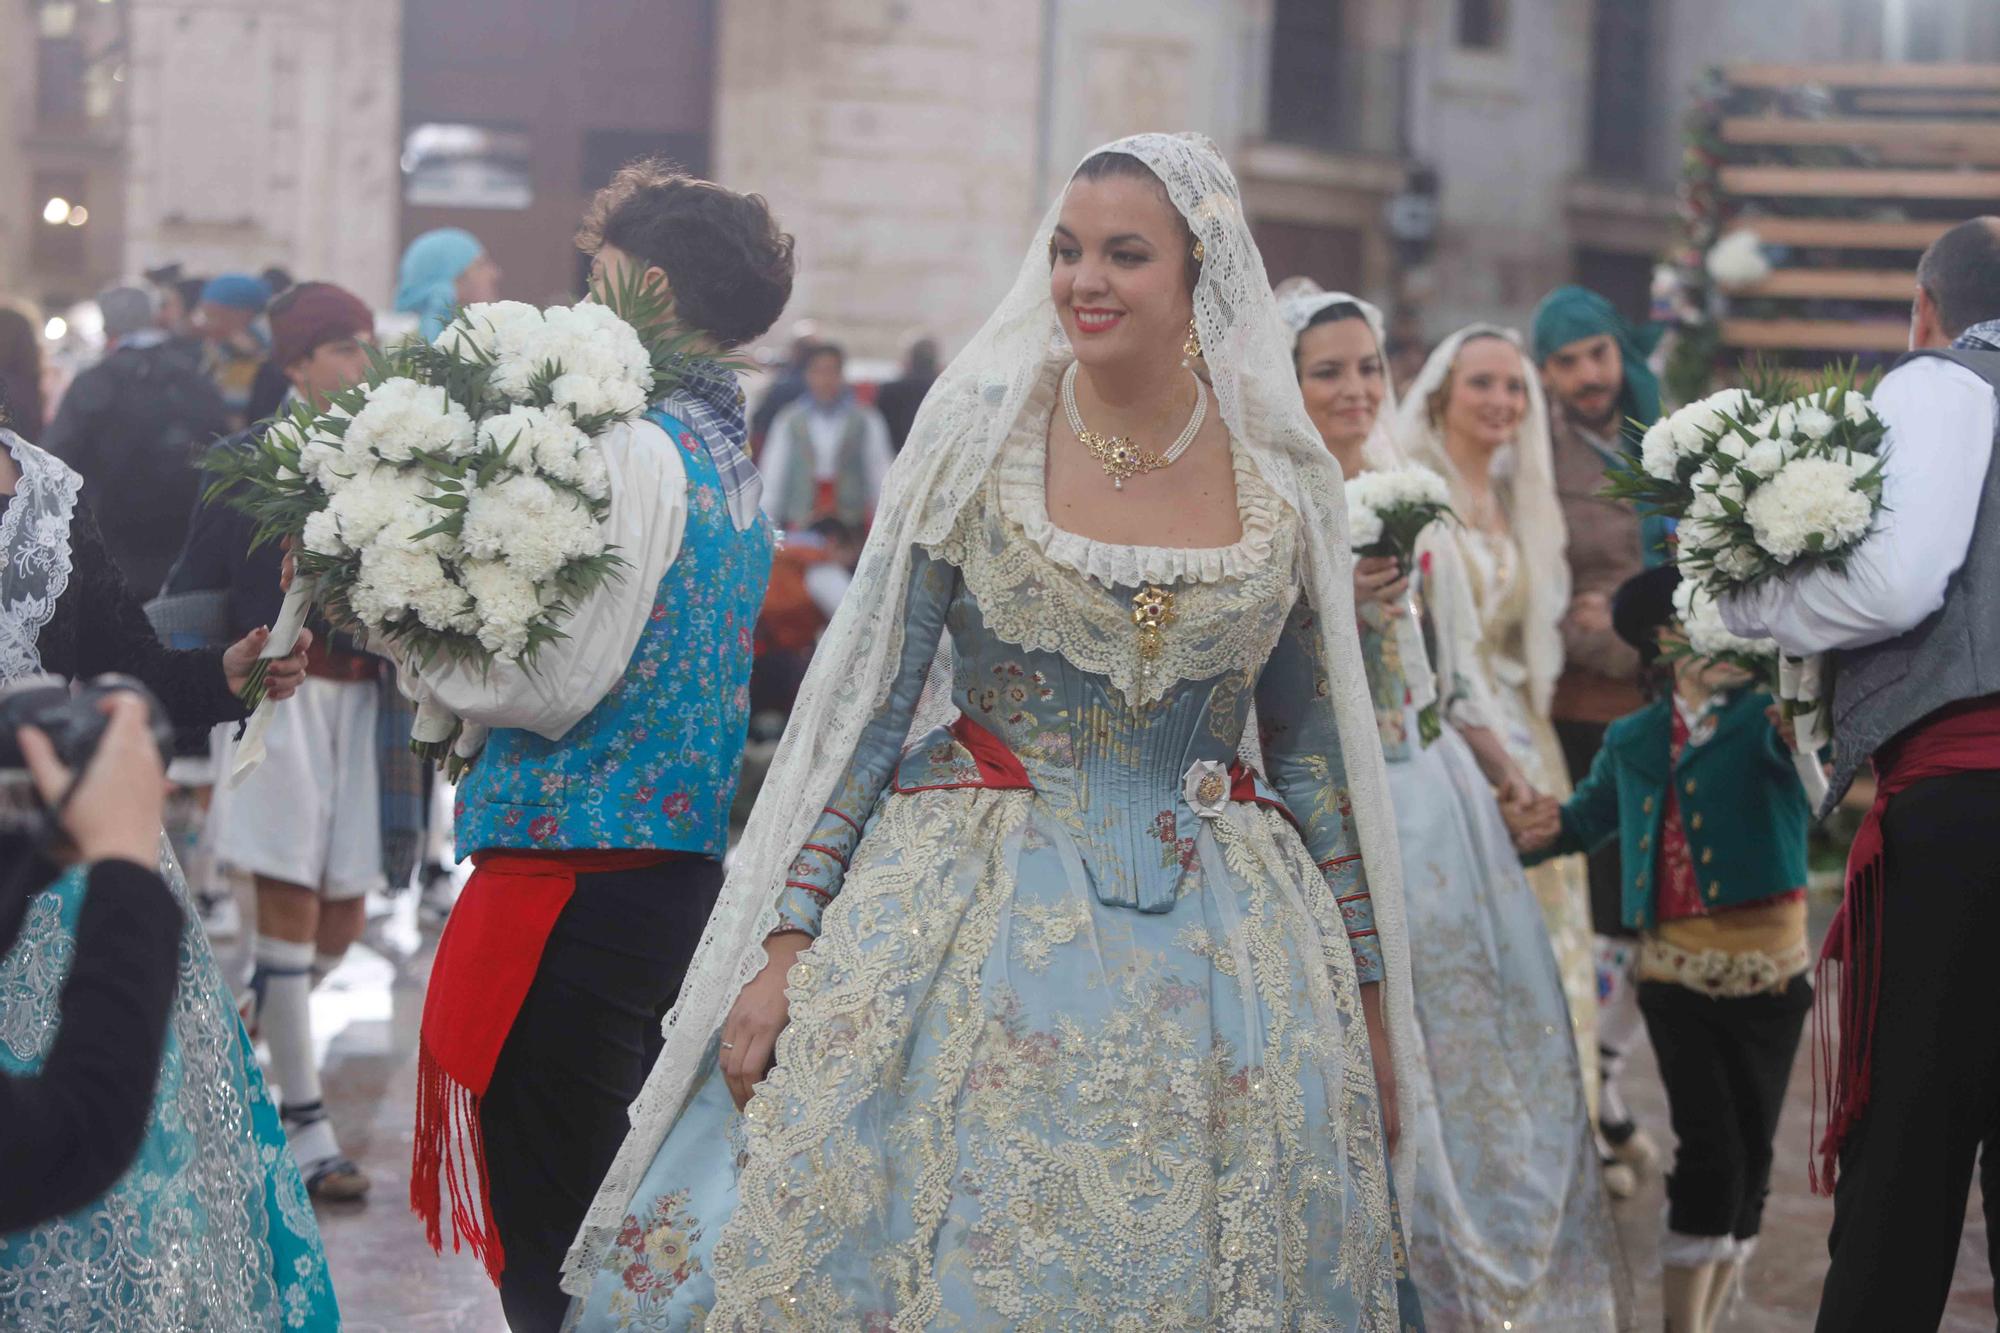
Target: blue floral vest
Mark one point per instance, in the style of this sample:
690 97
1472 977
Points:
655 764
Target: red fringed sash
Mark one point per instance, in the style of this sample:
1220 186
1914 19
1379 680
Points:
486 960
1964 738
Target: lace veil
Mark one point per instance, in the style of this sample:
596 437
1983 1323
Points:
1299 299
1524 483
964 419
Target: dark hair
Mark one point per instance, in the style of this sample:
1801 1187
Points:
820 349
1104 166
1961 274
1330 314
729 266
277 279
20 373
190 290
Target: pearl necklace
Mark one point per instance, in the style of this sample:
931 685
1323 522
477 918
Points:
1116 454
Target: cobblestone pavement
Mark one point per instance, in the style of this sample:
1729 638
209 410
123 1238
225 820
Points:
389 1280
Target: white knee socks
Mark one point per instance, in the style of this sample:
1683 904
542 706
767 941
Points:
283 983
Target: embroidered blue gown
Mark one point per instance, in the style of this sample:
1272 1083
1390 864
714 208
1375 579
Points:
1504 1212
1079 1043
211 1228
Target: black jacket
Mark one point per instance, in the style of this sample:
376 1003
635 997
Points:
134 426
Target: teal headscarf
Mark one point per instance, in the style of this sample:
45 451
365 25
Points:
1568 314
427 282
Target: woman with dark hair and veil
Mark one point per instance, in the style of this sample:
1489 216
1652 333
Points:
211 1227
1506 1218
1070 912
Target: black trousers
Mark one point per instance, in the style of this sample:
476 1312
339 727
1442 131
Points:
1934 1090
1580 743
1725 1063
585 1039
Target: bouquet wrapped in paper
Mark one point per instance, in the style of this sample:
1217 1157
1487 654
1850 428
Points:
450 506
1387 510
1764 485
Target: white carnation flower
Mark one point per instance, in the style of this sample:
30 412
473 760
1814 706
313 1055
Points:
1701 619
506 603
322 534
402 418
1813 421
1765 458
534 527
396 581
543 439
1364 526
1736 562
1808 497
1657 452
1699 423
1737 261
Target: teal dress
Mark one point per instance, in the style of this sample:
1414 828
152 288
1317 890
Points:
211 1228
1079 1043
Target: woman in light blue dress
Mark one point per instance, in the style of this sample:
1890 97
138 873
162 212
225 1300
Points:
1506 1220
211 1228
1095 1025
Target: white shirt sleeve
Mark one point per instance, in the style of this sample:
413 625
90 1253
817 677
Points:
775 459
826 583
876 452
1940 443
645 523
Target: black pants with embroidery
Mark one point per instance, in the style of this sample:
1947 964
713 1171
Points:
1934 1086
578 1053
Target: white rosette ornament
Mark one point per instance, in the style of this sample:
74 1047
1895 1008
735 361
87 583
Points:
1387 510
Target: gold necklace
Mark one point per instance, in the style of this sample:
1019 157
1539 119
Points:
1116 454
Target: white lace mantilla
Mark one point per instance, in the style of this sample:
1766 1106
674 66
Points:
34 534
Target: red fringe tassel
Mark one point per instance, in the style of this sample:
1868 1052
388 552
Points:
1846 1010
450 1149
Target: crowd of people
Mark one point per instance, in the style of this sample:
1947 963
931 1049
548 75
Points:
1153 914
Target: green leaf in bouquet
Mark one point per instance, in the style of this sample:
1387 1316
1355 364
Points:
1429 726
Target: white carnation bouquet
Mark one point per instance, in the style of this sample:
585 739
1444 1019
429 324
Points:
1387 511
1763 485
451 505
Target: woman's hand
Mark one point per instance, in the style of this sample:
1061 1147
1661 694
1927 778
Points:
281 678
1380 578
1385 1067
750 1033
1510 784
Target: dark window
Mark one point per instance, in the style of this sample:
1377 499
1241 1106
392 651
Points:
1620 88
59 79
1307 69
1482 24
455 165
1625 280
604 151
1330 256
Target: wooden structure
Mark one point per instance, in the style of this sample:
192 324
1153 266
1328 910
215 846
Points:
1845 173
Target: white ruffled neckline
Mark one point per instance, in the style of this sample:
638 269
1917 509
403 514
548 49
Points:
1022 478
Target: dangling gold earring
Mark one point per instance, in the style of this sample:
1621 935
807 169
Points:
1191 349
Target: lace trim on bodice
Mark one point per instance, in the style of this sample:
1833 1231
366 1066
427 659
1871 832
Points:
1030 598
1021 473
34 535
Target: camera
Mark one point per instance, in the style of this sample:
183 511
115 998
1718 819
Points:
74 725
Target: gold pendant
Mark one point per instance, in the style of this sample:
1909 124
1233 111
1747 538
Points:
1152 612
1118 456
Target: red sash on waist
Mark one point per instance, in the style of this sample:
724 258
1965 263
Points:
1963 738
486 960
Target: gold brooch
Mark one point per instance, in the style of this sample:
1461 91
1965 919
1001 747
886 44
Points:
1152 612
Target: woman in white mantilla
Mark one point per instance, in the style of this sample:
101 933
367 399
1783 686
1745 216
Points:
210 1228
1095 1025
1476 416
1506 1219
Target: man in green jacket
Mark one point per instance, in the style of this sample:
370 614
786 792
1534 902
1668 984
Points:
1699 790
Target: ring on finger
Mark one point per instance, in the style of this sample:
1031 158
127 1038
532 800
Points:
727 1045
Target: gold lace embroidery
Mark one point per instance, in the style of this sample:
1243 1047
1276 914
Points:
1040 604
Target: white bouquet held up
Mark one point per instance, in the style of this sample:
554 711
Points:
1387 510
1763 485
451 505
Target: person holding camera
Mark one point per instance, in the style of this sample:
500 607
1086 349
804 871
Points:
210 1227
68 1131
